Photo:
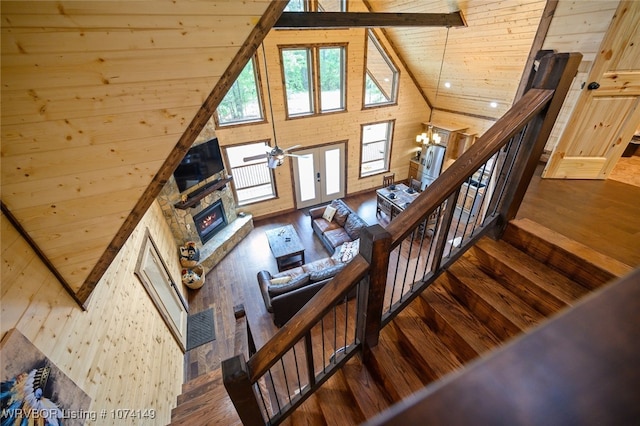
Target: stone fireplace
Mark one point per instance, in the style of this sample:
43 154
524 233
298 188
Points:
212 222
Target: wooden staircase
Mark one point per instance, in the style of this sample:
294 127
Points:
494 292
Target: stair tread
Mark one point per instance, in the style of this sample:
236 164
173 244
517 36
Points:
215 404
337 403
364 388
435 359
584 264
309 413
455 325
394 373
214 375
477 287
537 283
215 382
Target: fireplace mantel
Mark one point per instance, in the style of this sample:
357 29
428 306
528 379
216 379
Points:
195 197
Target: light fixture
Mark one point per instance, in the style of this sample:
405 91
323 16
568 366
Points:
447 84
493 104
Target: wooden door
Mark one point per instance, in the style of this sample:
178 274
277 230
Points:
607 112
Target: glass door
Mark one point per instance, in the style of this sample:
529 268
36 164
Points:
319 174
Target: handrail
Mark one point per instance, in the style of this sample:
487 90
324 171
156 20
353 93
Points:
272 383
301 323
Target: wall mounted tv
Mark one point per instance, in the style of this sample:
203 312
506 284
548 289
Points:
201 162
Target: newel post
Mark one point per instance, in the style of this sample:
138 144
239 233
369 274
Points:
235 375
375 247
556 71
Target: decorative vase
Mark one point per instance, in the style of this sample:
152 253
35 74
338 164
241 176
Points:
193 277
189 255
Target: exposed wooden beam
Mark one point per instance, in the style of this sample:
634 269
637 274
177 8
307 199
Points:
292 20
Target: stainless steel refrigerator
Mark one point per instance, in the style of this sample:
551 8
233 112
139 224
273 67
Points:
432 159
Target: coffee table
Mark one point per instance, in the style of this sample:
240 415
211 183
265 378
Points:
286 247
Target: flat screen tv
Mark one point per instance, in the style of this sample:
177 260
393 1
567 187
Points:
201 162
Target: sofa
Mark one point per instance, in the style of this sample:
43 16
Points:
337 226
286 292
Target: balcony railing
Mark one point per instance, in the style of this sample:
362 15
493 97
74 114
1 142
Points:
397 263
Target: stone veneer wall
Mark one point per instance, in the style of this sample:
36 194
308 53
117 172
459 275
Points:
181 221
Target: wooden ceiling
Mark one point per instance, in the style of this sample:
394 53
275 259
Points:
98 97
483 62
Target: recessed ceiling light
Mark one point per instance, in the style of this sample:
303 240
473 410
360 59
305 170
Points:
493 104
447 84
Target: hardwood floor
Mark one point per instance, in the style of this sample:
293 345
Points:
600 214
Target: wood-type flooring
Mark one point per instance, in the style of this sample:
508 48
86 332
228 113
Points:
599 214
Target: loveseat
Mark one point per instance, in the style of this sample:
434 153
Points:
286 292
336 227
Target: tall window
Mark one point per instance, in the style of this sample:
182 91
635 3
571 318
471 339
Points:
317 5
376 148
314 79
242 103
381 76
253 180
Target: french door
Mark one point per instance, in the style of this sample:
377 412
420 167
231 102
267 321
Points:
319 174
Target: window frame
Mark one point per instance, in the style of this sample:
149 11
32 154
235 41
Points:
237 176
314 6
388 148
313 52
370 35
258 83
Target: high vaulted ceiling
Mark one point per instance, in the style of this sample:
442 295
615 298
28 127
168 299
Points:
101 98
483 62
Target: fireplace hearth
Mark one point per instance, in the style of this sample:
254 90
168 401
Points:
210 221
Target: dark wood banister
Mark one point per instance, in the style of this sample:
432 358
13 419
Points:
549 90
306 318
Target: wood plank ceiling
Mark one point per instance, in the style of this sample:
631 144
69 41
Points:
483 62
98 95
95 96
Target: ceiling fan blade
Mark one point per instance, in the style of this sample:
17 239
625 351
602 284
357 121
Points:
255 157
297 155
290 148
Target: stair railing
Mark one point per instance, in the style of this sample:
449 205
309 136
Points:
478 194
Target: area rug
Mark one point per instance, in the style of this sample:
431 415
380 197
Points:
200 329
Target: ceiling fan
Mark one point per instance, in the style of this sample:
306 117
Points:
275 156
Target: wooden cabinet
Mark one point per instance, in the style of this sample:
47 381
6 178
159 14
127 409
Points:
454 139
413 170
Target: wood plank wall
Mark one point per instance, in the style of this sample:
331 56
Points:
408 114
95 94
119 351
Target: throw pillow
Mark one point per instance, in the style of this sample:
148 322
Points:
342 212
295 283
329 211
280 280
349 250
326 273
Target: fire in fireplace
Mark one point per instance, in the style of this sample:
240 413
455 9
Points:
210 221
